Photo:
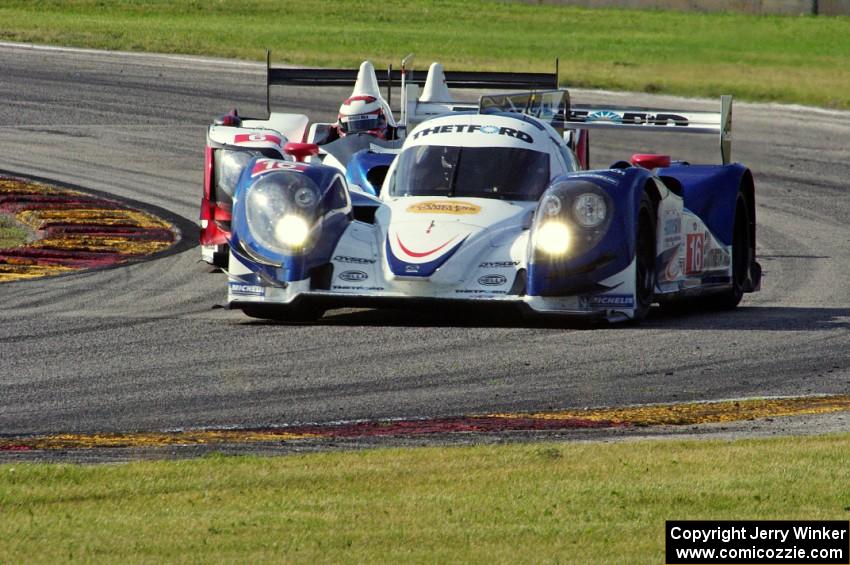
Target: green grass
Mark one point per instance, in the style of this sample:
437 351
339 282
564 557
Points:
12 234
789 59
578 503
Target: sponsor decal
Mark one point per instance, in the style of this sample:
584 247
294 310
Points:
419 254
256 138
628 118
353 276
694 253
604 116
492 280
716 258
247 289
411 269
673 270
498 264
479 291
347 287
465 128
625 300
356 260
263 166
454 207
672 226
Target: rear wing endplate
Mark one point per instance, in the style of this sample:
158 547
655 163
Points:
655 120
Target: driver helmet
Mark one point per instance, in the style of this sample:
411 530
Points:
362 114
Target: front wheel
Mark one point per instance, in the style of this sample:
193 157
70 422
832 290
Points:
644 259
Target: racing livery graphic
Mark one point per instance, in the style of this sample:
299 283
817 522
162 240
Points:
493 204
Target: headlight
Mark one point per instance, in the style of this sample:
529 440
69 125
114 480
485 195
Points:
553 237
281 210
228 167
573 216
551 205
292 231
589 209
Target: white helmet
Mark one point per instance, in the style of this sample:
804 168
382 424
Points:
362 114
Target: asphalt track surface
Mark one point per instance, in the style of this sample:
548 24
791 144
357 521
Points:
148 347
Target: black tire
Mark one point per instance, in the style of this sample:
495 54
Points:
221 259
741 259
284 313
644 258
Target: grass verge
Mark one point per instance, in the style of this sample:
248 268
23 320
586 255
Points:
583 503
780 58
12 234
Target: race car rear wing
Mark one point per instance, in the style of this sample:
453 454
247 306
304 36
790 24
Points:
555 108
283 76
411 106
649 119
434 99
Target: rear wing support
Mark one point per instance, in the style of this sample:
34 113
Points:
655 120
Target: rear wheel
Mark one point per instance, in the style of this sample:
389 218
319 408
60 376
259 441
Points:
644 259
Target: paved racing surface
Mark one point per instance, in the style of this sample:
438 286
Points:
148 347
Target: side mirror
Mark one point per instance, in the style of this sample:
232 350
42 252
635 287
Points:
301 150
230 119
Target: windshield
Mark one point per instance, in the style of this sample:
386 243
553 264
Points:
483 172
551 107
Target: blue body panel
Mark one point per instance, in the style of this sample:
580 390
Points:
710 192
357 170
611 254
334 214
402 268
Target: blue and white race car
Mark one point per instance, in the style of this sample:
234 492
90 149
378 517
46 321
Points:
494 206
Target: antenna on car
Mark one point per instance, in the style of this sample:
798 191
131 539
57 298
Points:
407 60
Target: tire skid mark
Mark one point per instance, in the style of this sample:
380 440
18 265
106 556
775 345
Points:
74 230
686 414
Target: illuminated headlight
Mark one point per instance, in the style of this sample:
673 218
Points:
281 210
292 231
590 210
553 238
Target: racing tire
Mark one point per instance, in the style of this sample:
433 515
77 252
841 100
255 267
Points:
284 312
221 259
644 259
741 259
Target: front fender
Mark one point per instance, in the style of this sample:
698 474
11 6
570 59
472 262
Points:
581 270
334 217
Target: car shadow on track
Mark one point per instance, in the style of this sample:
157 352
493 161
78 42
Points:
765 318
438 316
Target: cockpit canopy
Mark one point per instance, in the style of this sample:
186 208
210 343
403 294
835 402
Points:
506 173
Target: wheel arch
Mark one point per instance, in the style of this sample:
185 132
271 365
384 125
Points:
748 190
